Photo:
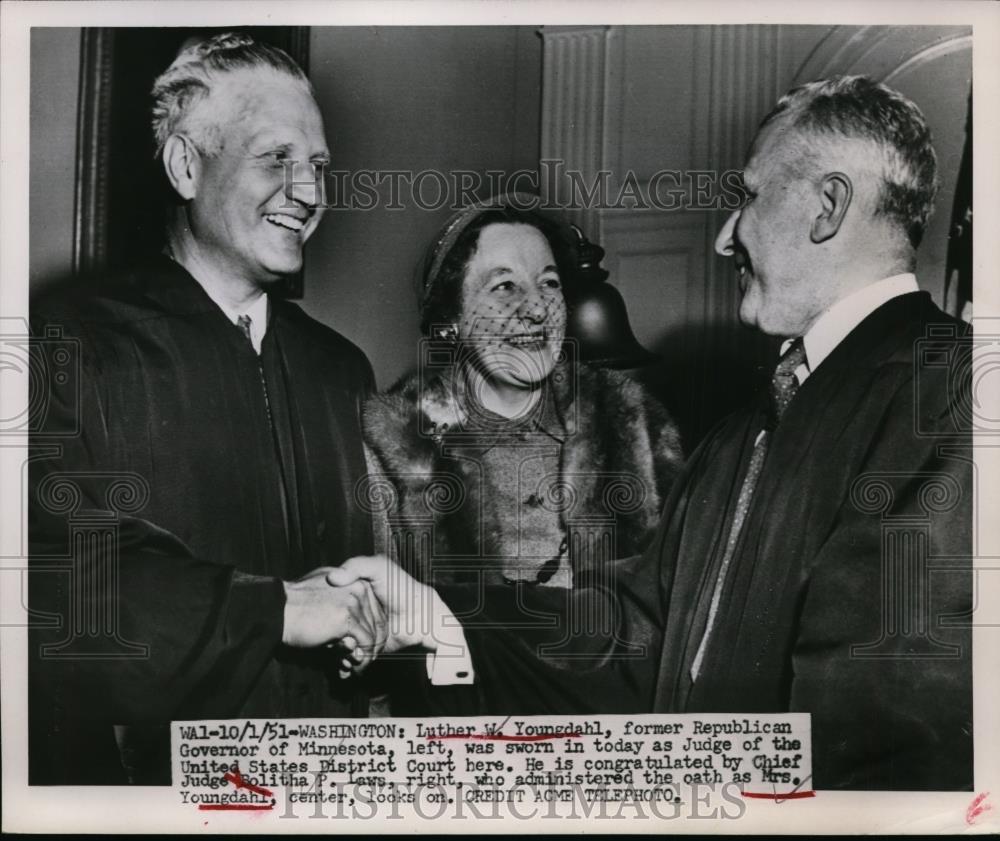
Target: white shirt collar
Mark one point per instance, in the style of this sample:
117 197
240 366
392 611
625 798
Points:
257 311
832 327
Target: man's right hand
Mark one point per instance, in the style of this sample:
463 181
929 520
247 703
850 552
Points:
317 614
412 609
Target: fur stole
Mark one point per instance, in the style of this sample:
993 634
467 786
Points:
619 457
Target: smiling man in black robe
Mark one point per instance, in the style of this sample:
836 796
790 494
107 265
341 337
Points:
205 459
815 554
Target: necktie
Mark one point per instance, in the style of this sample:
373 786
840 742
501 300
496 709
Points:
783 388
244 322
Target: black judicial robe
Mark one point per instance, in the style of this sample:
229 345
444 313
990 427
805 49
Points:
160 433
868 477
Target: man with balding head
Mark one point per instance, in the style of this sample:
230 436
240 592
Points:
233 418
814 556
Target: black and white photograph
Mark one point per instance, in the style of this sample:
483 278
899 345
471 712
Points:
390 390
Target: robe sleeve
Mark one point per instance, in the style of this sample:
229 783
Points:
882 659
136 629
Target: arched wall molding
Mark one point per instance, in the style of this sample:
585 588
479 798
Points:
929 54
882 53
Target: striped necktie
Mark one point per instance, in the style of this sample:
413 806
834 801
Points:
244 322
783 387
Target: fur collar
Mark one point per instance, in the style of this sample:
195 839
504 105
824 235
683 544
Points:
621 450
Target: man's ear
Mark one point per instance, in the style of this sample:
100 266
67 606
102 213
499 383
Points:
835 194
182 163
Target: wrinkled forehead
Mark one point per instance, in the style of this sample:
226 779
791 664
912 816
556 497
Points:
248 101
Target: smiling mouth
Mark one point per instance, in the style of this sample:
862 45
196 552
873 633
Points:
529 340
286 221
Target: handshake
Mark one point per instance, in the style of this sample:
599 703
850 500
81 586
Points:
369 606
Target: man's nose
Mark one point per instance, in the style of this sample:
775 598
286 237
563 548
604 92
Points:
304 183
724 241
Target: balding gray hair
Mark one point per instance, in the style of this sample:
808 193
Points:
856 107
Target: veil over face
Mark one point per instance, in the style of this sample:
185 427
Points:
513 314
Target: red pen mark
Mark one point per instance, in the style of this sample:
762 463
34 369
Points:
234 807
977 807
500 737
790 795
236 778
797 793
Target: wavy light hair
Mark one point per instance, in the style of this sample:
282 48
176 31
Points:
187 83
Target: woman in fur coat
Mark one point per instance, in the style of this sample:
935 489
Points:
501 460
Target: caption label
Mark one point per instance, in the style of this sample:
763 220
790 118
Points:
401 767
